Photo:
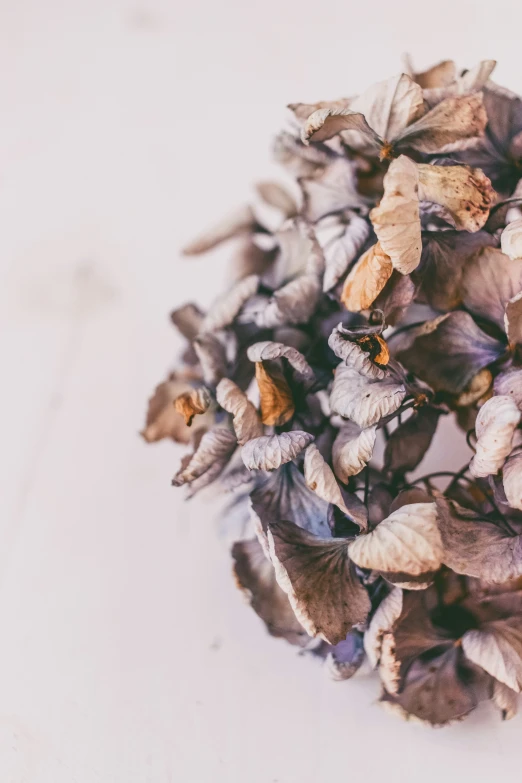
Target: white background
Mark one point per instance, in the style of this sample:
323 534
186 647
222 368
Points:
126 653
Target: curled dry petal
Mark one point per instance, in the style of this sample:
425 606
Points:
319 478
277 404
465 192
191 403
469 82
495 426
247 424
269 351
509 382
362 400
390 106
293 303
352 450
367 279
163 420
512 481
227 307
241 221
409 442
407 543
511 239
505 699
386 614
211 351
396 220
320 581
497 648
439 75
326 123
344 659
211 456
343 249
331 189
395 298
255 576
367 354
269 452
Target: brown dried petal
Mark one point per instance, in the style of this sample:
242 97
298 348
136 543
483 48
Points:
497 648
247 424
269 351
362 400
225 309
410 441
509 383
439 75
386 615
489 281
271 451
513 319
512 481
211 351
187 319
390 106
278 197
332 189
465 192
396 220
326 123
344 659
368 354
366 279
211 455
453 124
320 581
191 403
343 249
495 426
395 298
163 420
277 404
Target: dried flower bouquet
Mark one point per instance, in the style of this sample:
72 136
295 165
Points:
384 294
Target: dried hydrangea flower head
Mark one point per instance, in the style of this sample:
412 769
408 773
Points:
383 293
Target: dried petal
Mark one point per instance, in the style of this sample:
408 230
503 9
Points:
449 351
409 442
453 124
390 106
367 354
511 239
352 450
513 319
247 424
212 354
320 581
366 279
343 249
345 659
512 481
489 282
362 400
278 197
163 420
210 457
407 543
465 192
395 298
505 699
239 222
269 351
495 426
324 124
277 404
332 189
270 451
497 648
396 220
509 382
226 307
386 614
319 478
188 320
192 402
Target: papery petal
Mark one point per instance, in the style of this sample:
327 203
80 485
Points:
396 220
278 197
211 350
344 659
269 351
352 450
391 105
497 648
366 279
368 354
191 403
324 124
513 319
410 441
465 192
269 452
512 481
511 239
490 279
241 221
505 699
225 309
209 459
247 424
319 478
386 614
343 249
509 382
453 124
395 298
163 420
320 581
332 189
188 320
495 426
362 400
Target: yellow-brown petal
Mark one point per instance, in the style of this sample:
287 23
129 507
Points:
277 404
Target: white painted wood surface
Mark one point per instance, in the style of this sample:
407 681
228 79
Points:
126 654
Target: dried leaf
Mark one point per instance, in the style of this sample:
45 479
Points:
406 544
270 451
320 581
191 403
352 450
495 426
319 478
362 400
396 220
366 279
511 240
465 192
277 404
247 424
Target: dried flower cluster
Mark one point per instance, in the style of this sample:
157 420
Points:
384 294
